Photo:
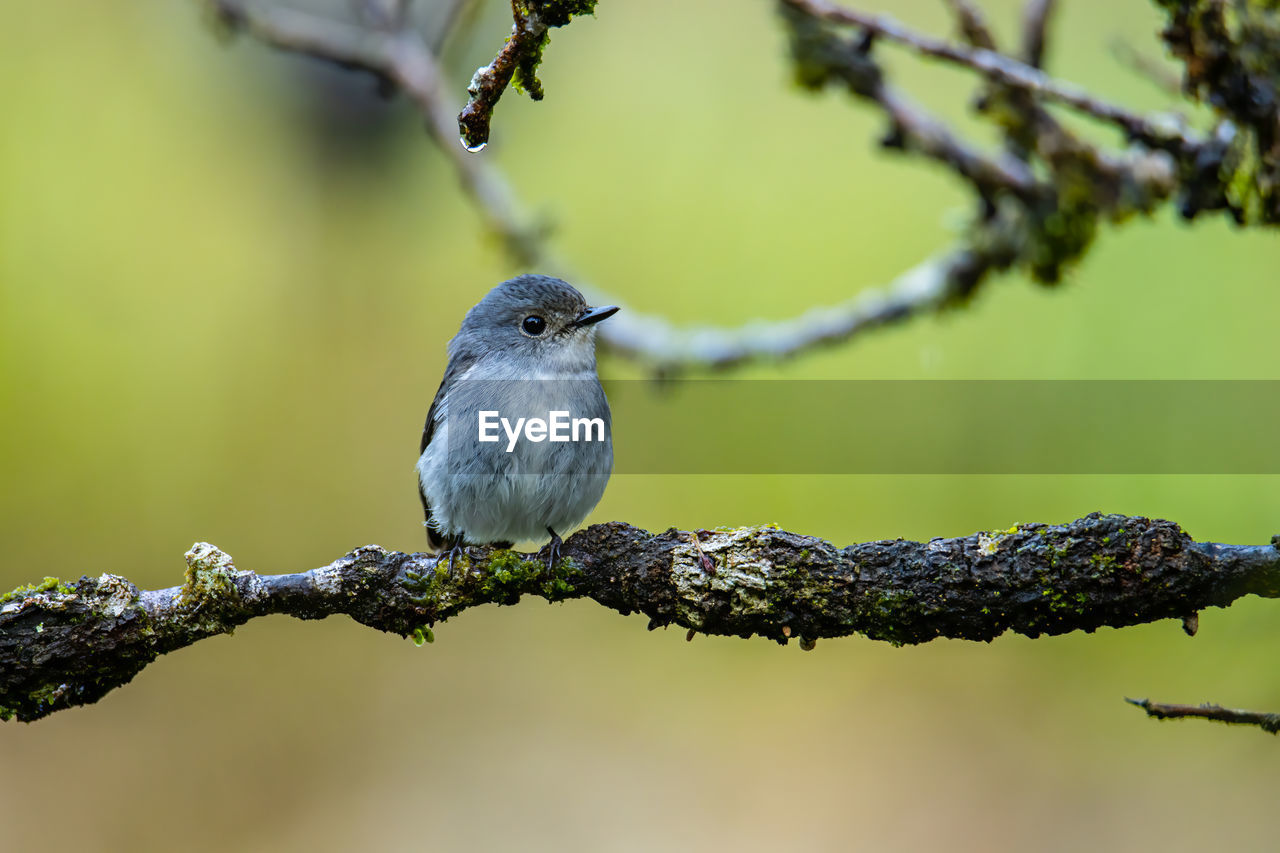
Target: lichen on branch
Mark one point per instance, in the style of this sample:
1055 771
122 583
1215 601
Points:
516 64
64 645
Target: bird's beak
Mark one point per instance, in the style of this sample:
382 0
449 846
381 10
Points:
595 315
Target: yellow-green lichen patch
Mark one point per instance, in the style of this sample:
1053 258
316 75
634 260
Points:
210 576
502 579
444 585
49 584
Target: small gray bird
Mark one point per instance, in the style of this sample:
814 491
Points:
517 443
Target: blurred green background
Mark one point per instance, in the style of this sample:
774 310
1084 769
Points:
226 282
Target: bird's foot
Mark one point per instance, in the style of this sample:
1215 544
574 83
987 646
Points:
424 583
553 549
454 551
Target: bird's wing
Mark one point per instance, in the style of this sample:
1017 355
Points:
457 367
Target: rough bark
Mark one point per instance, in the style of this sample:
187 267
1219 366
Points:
63 645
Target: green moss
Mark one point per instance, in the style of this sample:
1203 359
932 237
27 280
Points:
510 575
49 584
35 703
886 616
1074 603
557 13
1104 565
549 13
1053 553
557 589
423 634
505 577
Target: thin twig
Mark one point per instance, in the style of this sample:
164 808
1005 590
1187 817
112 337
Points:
1268 722
1035 30
973 24
516 62
490 82
927 287
1148 67
916 129
1159 132
456 18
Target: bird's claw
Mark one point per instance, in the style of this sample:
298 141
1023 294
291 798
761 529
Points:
553 549
421 582
455 549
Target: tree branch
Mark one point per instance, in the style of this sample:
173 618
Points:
403 58
1041 224
63 645
1035 30
1159 710
516 62
1007 71
1231 64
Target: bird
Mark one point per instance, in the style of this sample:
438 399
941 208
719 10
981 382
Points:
523 356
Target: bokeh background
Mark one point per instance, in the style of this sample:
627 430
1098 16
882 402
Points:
226 281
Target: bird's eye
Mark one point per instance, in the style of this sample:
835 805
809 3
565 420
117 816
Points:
533 325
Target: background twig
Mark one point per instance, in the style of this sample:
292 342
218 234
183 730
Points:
1162 711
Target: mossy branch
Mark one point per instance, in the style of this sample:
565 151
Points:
516 63
63 645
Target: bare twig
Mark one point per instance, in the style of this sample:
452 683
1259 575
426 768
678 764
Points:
1148 67
1161 711
381 14
926 288
455 19
1035 29
63 645
915 129
973 24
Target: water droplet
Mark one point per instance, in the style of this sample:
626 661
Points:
472 148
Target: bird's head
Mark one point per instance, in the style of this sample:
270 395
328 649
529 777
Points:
537 319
